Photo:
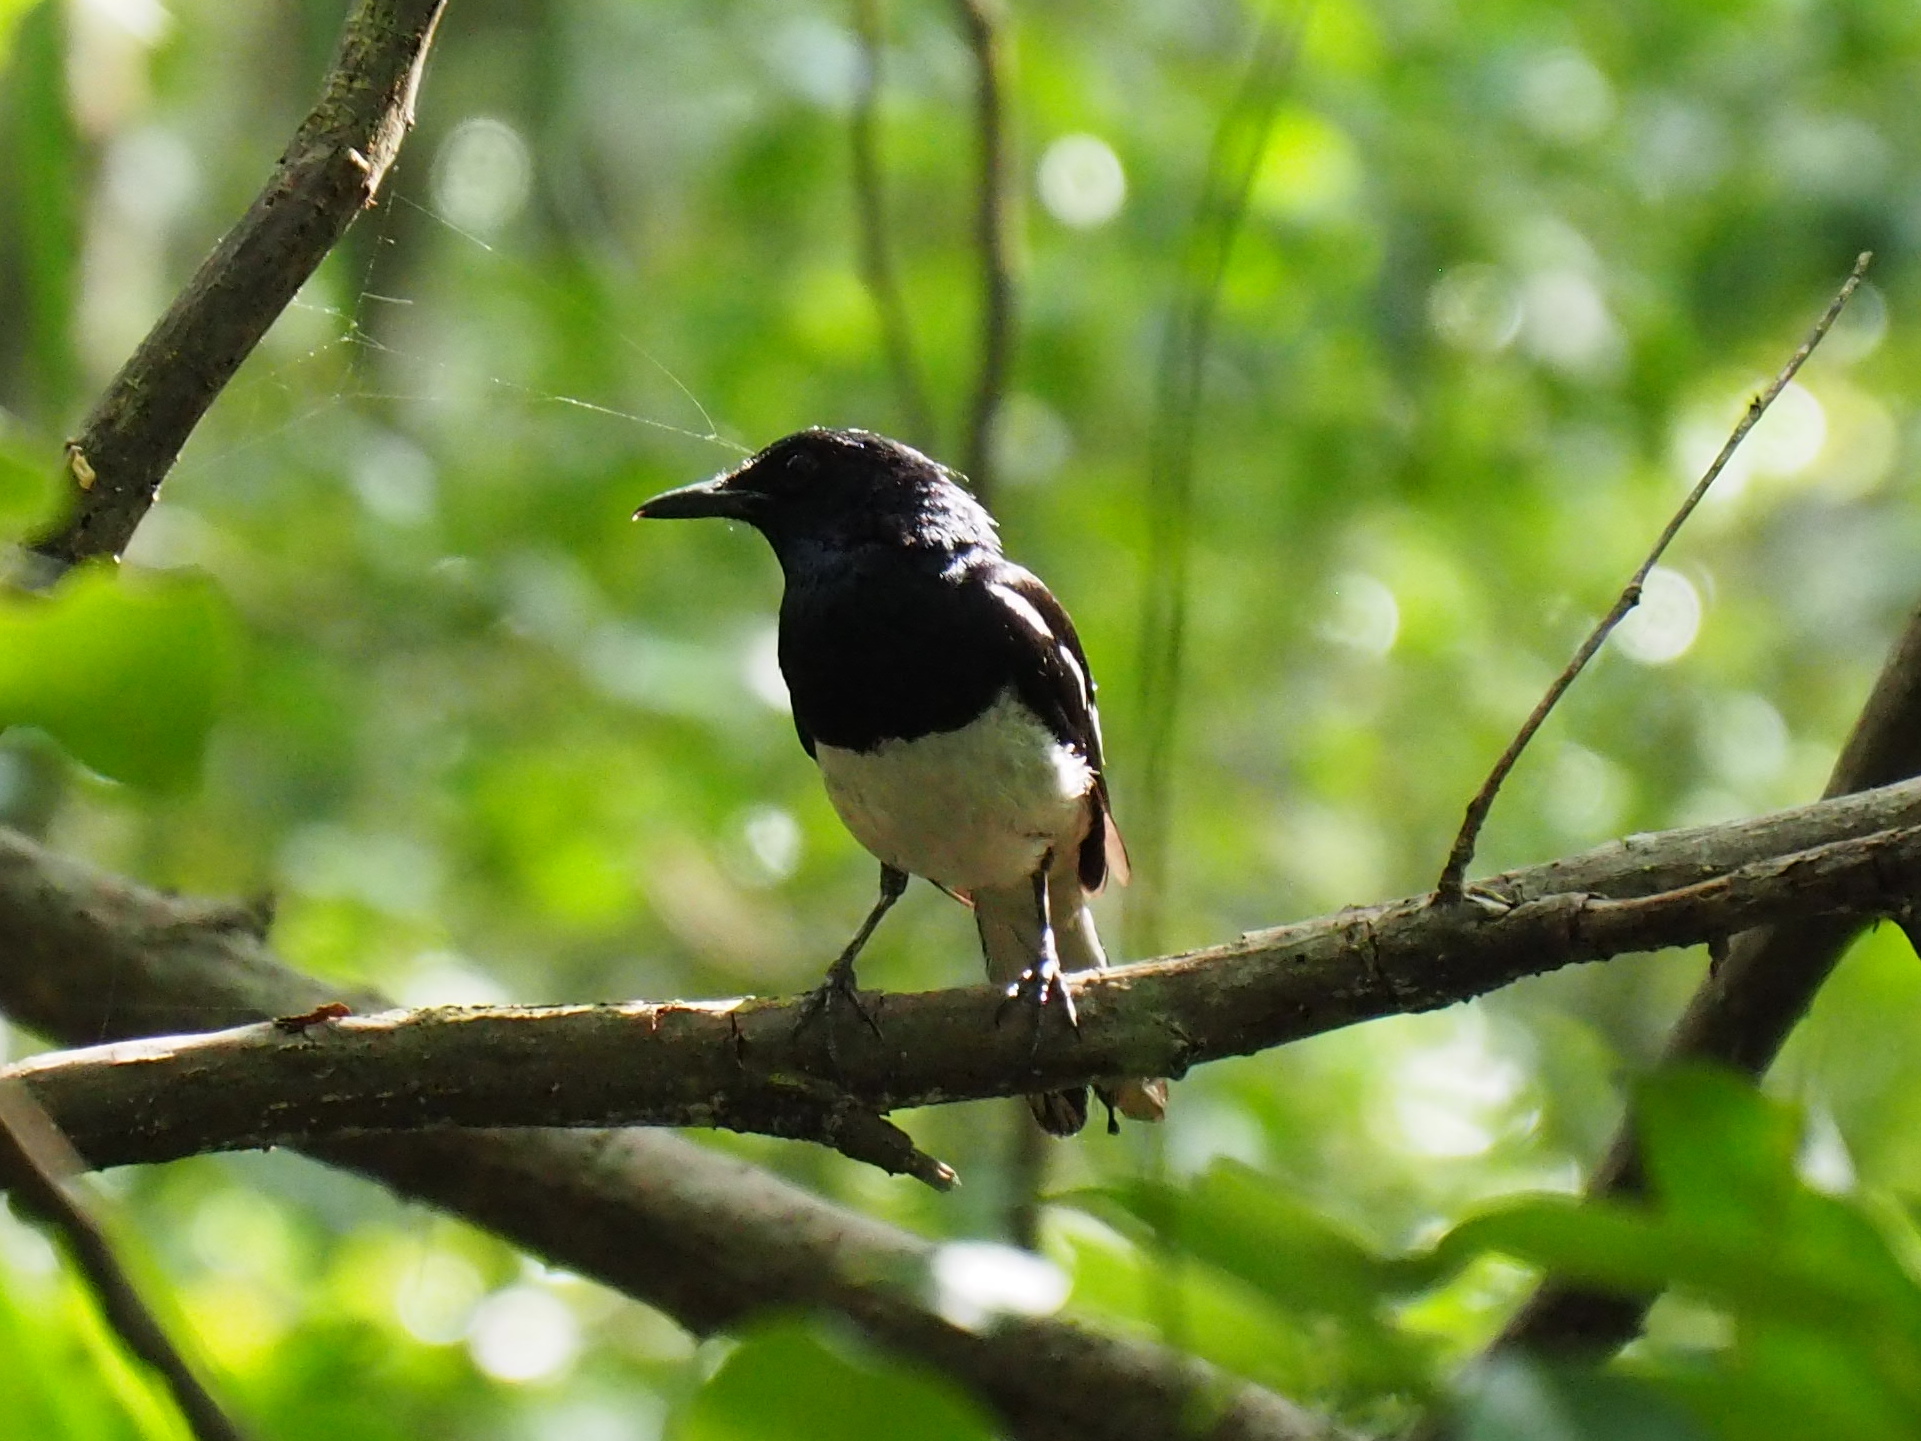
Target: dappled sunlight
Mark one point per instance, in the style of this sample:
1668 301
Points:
974 1283
523 1334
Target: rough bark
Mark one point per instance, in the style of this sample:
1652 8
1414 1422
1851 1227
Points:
707 1239
745 1064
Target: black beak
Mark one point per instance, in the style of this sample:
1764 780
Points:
726 495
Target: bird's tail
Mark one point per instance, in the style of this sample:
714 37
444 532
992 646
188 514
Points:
1011 935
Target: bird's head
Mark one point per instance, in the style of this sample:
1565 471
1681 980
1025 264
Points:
837 489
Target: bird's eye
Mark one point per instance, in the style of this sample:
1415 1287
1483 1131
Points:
800 465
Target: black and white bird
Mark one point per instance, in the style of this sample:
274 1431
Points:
943 693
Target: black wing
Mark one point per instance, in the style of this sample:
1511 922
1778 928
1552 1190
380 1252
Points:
1053 678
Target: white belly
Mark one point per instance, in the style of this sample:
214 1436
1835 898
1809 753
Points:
970 808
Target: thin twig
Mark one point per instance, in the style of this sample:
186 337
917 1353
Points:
35 1160
1239 141
330 172
870 211
980 20
1745 1008
1448 888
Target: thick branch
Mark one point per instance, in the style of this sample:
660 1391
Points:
742 1064
329 173
709 1240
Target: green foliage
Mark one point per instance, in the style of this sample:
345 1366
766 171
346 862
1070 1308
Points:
40 216
1508 270
1817 1294
28 490
788 1381
1819 1291
50 1333
128 677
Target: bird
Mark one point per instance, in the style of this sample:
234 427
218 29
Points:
944 695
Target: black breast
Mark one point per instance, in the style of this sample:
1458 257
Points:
889 645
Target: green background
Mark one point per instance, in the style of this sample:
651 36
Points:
390 649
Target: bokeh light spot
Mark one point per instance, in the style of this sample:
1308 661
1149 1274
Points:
482 175
1364 616
523 1334
1565 98
1475 307
976 1281
1663 626
434 1300
1081 181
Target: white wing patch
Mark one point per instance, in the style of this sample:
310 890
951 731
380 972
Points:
1036 622
1024 608
1080 679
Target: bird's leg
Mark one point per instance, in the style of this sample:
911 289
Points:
1043 981
839 981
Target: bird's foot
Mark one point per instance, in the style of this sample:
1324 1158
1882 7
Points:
837 987
1038 986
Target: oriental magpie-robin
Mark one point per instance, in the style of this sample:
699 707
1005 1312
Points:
943 693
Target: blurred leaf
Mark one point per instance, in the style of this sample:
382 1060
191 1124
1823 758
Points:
127 673
29 491
1715 1148
45 154
10 13
1233 1217
785 1381
1513 1398
1306 1265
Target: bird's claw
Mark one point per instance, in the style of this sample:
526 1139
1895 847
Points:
1037 986
838 985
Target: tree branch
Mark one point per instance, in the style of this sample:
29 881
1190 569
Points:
35 1162
707 1239
328 174
744 1064
981 22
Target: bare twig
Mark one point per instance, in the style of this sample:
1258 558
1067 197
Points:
980 19
740 1064
1239 142
870 210
708 1239
329 173
35 1162
1448 887
1746 1007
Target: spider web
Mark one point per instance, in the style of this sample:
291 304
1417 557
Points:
362 367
